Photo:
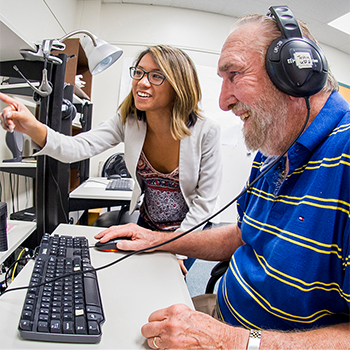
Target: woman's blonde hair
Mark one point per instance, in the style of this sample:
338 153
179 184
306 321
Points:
182 76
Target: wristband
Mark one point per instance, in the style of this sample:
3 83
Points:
254 339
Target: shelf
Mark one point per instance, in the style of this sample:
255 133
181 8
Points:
18 89
19 168
80 93
77 64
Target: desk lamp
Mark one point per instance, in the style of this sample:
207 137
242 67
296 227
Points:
99 53
100 56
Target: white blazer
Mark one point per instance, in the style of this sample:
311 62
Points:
200 164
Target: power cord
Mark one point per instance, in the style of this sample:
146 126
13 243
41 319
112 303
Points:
18 259
14 266
12 193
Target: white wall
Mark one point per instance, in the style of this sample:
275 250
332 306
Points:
132 27
339 63
201 35
40 19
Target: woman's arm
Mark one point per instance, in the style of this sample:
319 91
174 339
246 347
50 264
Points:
68 149
64 148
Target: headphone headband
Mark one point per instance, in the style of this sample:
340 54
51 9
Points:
286 22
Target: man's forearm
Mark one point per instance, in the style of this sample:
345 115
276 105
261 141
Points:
216 244
327 338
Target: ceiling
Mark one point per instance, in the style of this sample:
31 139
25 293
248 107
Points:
316 13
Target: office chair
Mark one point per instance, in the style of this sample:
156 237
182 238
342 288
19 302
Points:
218 270
216 273
115 165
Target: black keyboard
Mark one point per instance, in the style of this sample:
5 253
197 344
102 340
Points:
68 309
122 184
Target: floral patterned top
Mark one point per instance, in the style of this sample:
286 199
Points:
163 207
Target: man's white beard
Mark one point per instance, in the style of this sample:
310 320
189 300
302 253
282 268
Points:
267 130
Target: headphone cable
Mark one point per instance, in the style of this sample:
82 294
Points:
136 252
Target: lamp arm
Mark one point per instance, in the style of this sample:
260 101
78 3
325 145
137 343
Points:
82 31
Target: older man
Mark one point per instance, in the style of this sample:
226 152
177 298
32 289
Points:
288 279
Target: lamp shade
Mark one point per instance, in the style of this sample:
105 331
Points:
101 56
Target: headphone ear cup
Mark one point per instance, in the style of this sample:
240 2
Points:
68 110
296 66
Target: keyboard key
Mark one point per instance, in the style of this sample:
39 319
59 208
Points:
68 327
43 326
93 327
27 315
94 317
25 325
55 326
80 325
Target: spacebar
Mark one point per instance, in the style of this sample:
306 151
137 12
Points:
92 295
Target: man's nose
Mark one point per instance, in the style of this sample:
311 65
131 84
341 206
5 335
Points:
227 97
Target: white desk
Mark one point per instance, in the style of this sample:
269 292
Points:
94 188
18 233
93 194
130 292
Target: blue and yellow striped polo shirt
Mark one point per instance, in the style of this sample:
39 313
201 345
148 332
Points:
294 271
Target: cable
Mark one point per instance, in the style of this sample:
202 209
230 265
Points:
12 194
18 259
99 182
26 188
14 263
9 269
17 190
307 100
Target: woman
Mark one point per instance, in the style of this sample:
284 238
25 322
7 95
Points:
171 151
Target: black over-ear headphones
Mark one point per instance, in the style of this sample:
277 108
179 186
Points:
295 64
68 110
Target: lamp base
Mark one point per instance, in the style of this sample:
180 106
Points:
13 160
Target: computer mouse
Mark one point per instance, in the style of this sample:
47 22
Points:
110 246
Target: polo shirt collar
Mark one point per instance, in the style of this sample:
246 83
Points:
325 122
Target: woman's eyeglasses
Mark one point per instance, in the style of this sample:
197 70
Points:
154 78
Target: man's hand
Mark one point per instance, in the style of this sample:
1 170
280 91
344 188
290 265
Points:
179 327
140 237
